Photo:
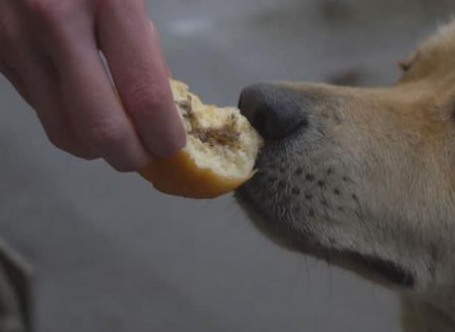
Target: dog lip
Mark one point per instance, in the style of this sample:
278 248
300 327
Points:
244 199
389 270
371 265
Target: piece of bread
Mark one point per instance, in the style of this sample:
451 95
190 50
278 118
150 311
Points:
219 155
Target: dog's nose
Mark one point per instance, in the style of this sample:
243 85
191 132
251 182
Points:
275 112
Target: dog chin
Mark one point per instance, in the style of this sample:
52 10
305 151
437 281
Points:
268 223
372 268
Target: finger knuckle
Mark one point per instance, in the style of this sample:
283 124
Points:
83 151
86 155
106 133
147 97
126 167
42 8
9 34
9 29
51 12
127 7
73 149
59 141
55 142
103 4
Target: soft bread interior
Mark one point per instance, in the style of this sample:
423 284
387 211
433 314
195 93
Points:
220 139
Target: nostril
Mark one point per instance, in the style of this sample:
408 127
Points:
259 122
273 111
280 123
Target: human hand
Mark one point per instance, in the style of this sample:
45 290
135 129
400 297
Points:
51 54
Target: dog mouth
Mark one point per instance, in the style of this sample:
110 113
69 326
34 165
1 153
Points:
370 267
272 217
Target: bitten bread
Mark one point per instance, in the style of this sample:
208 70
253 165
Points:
219 155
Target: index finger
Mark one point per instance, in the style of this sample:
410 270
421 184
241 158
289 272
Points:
133 52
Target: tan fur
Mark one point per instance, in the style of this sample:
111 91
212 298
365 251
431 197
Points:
396 145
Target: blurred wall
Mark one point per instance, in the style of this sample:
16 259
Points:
111 254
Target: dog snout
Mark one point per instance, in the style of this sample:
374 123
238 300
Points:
275 112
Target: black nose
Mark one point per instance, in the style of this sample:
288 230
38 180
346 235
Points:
275 112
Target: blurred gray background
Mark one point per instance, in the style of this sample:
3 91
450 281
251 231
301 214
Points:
111 254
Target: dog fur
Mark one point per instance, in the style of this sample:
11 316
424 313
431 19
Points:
369 181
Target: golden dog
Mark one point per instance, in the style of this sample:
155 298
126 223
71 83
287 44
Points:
366 177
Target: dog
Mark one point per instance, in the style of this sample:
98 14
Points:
365 178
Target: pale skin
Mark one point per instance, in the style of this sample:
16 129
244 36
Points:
51 53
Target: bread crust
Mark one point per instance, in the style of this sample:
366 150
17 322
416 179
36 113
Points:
182 174
179 175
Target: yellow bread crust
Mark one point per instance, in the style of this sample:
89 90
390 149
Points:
179 175
187 173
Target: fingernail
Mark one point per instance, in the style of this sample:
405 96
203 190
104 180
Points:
167 137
